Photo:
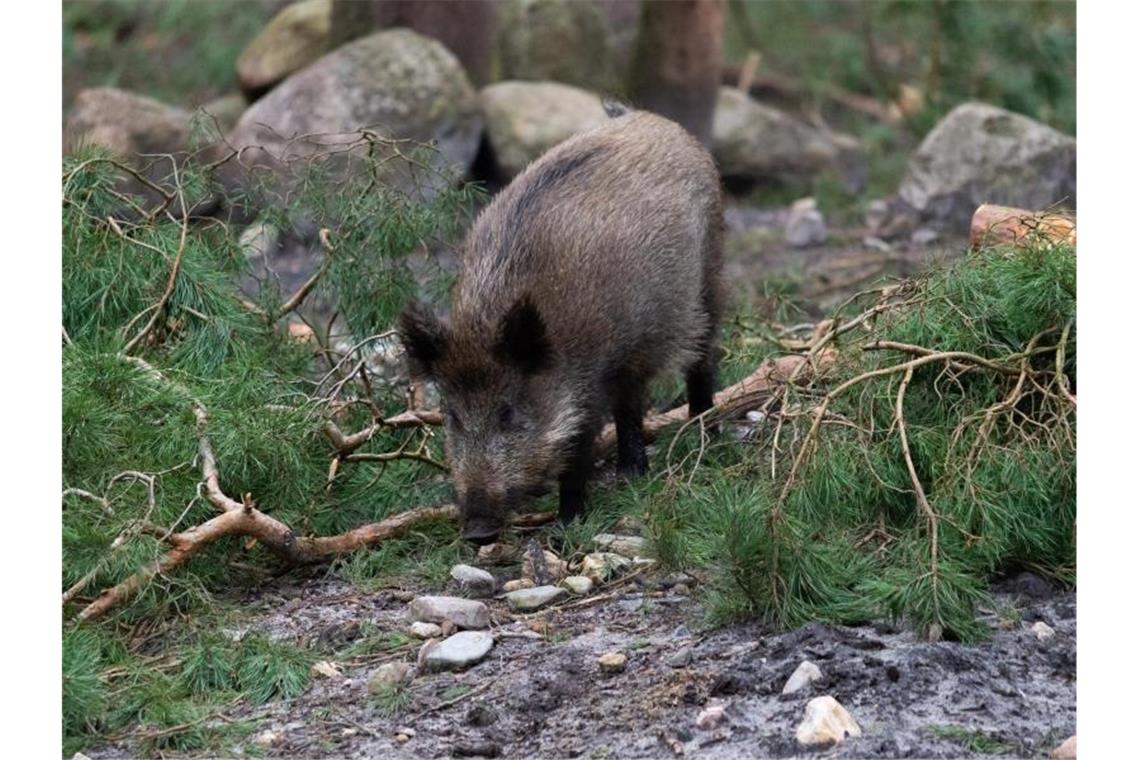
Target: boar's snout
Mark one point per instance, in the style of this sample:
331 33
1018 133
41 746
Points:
482 521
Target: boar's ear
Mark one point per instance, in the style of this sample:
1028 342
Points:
522 339
424 338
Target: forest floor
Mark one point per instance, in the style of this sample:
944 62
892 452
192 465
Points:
543 694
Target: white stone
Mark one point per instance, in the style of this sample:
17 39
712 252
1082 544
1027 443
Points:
425 630
459 651
612 662
474 581
463 613
1043 631
710 717
805 674
555 568
326 669
578 584
518 584
805 226
530 599
826 722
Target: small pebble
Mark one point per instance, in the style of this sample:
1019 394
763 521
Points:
1066 750
826 722
710 717
530 599
612 662
387 675
518 584
578 584
425 630
681 658
805 674
474 581
1043 630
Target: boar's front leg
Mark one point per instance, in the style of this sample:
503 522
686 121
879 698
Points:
629 412
572 482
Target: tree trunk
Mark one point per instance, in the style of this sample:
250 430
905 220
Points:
677 60
465 28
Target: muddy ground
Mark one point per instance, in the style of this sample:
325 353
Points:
543 695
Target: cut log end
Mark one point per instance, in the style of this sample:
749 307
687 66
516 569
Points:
1007 225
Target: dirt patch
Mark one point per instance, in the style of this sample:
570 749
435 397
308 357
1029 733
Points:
543 695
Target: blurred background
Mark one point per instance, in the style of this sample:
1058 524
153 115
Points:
815 110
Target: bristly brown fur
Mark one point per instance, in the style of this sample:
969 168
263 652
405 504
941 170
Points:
597 269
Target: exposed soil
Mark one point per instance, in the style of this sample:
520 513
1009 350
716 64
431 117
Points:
544 695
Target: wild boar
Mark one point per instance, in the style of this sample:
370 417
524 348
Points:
594 271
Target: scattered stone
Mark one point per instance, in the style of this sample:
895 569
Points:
447 628
555 40
388 675
497 554
805 226
268 738
126 124
408 732
517 585
402 738
80 756
612 662
526 119
423 630
396 81
403 595
1066 750
578 584
681 589
924 236
979 153
601 566
805 674
477 748
530 599
463 613
555 568
474 581
710 717
754 140
326 669
459 651
877 213
755 416
627 546
826 722
293 39
681 658
1043 630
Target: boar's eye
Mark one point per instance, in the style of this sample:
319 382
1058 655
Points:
506 416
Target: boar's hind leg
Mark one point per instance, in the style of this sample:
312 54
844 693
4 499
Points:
572 482
629 411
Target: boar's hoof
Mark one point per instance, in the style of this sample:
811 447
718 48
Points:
480 535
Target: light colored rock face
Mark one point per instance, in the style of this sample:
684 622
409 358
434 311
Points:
626 546
463 613
462 650
753 140
526 119
556 40
578 584
395 82
528 599
125 123
293 39
474 581
225 111
801 677
826 722
980 153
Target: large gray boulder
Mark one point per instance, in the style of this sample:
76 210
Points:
979 153
125 123
396 83
557 40
752 140
293 39
526 119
